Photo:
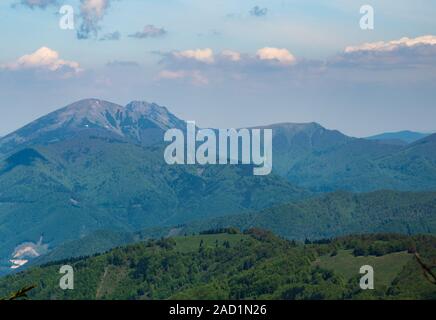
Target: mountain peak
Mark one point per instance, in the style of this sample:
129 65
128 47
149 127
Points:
152 114
143 106
86 112
91 104
139 120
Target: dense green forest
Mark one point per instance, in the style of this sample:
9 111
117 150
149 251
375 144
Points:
336 214
228 264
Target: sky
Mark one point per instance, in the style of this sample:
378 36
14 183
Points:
225 63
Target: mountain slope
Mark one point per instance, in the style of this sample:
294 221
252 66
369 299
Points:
100 180
338 214
413 165
325 160
401 136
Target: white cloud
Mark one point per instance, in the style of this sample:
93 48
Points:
202 55
402 53
231 55
43 58
383 46
283 56
203 65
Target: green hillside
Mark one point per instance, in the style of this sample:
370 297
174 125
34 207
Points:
67 190
323 160
345 264
253 265
338 214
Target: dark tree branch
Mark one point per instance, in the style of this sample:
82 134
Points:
428 270
22 293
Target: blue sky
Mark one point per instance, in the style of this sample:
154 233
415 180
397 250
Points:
225 63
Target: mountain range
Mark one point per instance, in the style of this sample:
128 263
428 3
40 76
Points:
96 165
399 137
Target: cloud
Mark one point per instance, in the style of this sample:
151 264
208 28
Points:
44 59
393 45
283 56
258 11
405 52
149 31
231 55
91 12
112 36
37 3
194 75
195 58
201 55
204 66
228 63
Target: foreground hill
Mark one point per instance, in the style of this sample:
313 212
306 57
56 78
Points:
254 265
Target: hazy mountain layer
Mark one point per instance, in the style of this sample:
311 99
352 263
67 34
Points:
404 137
336 214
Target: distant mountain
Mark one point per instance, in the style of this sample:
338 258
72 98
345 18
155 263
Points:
414 165
307 154
404 137
325 160
293 142
139 122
